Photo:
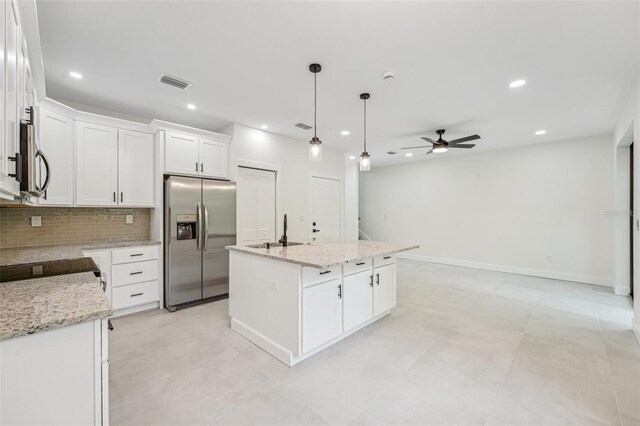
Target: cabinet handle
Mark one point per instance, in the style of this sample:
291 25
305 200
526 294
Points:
359 263
325 272
378 279
371 280
121 196
114 196
340 291
135 273
387 257
136 294
196 166
135 254
201 167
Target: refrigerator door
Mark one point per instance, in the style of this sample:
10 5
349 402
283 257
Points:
219 231
183 207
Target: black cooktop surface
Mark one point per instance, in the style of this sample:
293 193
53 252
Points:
29 271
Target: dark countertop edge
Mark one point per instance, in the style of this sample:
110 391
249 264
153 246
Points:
317 265
67 322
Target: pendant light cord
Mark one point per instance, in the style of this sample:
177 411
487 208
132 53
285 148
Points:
315 105
365 125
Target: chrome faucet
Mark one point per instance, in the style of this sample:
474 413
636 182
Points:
283 239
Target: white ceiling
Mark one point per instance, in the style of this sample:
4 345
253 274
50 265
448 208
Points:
248 62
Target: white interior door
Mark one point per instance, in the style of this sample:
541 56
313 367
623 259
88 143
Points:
326 200
256 205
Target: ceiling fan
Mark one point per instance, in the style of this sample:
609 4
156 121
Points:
443 146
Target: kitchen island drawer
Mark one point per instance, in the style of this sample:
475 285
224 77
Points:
356 266
134 254
131 273
386 259
135 294
311 276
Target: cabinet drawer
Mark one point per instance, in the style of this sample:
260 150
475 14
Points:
131 273
134 254
135 294
311 276
356 266
386 259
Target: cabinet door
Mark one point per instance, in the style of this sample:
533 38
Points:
56 141
214 160
96 164
135 168
321 314
181 154
384 289
358 299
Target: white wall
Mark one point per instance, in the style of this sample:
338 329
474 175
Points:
504 210
291 156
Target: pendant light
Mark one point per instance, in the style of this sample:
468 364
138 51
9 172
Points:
365 160
315 146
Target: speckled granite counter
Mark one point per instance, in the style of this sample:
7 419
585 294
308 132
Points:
31 306
18 256
323 255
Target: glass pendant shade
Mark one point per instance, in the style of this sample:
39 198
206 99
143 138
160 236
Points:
315 150
365 162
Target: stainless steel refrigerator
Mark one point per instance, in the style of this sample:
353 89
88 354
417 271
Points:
200 221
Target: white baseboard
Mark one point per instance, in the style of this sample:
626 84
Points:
621 290
586 279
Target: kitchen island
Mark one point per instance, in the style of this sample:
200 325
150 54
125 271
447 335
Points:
295 301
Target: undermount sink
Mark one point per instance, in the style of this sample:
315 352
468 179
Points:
264 245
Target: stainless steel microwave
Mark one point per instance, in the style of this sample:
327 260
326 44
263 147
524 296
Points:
32 161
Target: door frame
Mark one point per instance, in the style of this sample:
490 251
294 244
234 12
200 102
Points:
237 163
625 239
340 179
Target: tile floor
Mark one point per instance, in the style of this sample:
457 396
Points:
463 347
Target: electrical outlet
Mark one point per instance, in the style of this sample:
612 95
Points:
36 221
36 270
129 219
273 285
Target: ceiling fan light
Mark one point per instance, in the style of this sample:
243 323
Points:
440 149
365 162
315 149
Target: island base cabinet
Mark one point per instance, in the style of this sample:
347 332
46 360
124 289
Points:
321 314
384 289
358 299
55 377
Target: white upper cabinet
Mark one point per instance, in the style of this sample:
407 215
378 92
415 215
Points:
191 155
135 168
214 161
56 141
182 154
96 165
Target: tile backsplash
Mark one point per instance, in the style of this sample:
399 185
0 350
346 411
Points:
70 225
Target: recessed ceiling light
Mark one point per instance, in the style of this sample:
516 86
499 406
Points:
352 157
409 154
75 75
540 132
345 133
517 83
191 106
264 127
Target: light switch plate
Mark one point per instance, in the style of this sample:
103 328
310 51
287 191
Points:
129 219
36 221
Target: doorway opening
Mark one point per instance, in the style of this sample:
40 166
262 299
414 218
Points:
632 219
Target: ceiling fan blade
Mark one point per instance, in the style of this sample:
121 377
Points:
429 152
462 146
415 147
429 140
467 139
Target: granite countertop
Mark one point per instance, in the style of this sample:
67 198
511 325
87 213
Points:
31 306
326 254
18 256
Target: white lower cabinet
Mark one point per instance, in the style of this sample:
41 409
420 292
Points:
384 289
358 299
321 313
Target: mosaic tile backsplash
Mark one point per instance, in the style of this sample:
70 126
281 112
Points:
70 226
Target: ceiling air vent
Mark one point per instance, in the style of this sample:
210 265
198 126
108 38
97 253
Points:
303 126
391 152
175 82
